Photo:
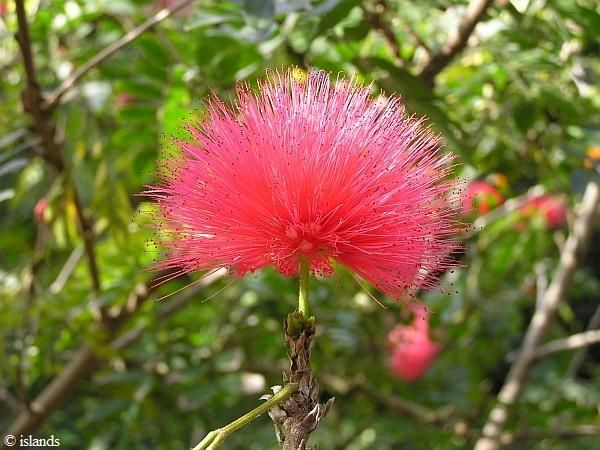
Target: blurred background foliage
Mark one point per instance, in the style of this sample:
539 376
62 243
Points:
519 103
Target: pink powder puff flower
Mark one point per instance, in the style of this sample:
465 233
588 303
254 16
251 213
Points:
411 350
311 168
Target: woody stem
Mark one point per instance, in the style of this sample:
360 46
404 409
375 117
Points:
215 438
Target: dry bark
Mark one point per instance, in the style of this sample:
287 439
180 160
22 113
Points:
297 417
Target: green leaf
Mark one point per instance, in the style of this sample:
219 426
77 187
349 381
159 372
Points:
137 113
142 88
334 16
153 50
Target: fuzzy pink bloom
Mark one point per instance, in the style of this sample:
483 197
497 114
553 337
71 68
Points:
480 198
411 350
307 167
550 208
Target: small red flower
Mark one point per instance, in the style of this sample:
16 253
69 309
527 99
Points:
39 211
168 4
314 169
411 350
122 100
480 198
549 208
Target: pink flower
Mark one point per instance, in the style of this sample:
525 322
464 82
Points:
314 169
122 100
480 198
39 211
412 351
550 208
183 12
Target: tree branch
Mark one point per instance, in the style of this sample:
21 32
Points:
456 42
411 409
64 274
376 20
33 101
54 97
34 104
86 230
553 433
569 343
85 361
509 206
542 319
30 291
579 356
169 308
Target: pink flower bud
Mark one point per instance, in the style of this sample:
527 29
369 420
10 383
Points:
411 350
39 211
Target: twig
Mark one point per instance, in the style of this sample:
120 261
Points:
86 229
30 97
573 342
215 438
418 39
541 282
377 21
569 343
456 42
34 104
30 289
506 208
7 401
81 364
33 101
553 433
55 96
542 319
409 408
86 359
84 362
168 309
579 356
25 44
58 284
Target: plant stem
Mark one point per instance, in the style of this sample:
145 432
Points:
303 295
216 437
